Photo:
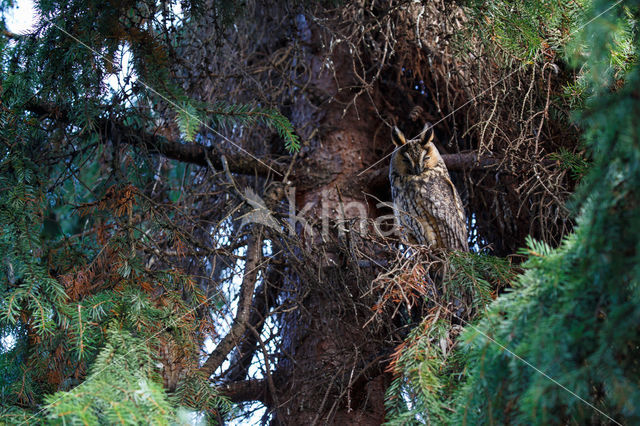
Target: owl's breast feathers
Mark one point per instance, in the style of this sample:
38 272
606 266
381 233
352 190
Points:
429 208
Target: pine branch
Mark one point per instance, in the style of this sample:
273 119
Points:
264 300
239 162
13 36
188 121
253 257
222 113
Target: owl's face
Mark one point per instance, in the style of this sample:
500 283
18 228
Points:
413 157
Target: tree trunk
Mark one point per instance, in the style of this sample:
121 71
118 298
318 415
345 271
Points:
330 366
333 372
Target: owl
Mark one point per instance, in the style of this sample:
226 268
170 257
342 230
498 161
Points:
426 203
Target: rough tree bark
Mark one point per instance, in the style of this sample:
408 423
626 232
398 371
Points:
321 336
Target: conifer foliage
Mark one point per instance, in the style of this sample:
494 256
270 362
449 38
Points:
573 316
560 345
85 320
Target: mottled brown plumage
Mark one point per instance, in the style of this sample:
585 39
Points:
426 203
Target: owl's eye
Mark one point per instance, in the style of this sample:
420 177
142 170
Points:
425 161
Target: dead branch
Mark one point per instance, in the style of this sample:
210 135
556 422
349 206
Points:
254 254
264 300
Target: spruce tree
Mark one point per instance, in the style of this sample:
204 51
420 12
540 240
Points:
166 167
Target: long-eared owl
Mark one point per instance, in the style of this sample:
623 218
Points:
426 203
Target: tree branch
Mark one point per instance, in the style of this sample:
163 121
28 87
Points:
239 162
253 257
263 301
468 161
246 390
194 153
13 36
464 161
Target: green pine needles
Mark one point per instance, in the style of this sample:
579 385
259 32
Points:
121 387
574 314
561 345
220 115
429 368
82 317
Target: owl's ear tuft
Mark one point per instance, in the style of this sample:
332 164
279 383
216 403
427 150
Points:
397 137
426 136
